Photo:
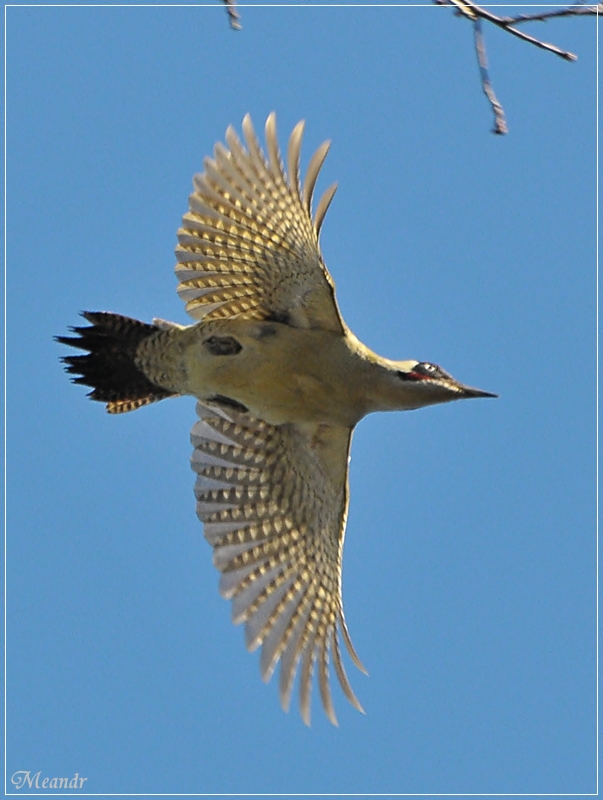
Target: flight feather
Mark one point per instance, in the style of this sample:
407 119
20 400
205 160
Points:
248 247
273 501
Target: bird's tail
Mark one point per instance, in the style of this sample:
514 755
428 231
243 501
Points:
110 366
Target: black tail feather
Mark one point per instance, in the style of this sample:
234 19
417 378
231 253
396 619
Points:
109 366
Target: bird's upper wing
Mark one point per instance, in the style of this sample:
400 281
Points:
248 247
273 500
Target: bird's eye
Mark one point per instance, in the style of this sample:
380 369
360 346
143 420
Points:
430 370
423 371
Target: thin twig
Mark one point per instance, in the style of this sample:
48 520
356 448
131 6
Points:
472 11
501 22
539 43
573 11
233 15
500 123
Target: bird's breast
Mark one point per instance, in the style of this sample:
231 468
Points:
278 373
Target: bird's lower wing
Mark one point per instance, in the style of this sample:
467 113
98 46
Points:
273 500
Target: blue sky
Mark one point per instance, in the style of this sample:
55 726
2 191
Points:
469 567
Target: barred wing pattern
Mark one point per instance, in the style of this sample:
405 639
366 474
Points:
248 246
273 500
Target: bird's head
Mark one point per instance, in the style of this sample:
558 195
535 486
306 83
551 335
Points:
414 384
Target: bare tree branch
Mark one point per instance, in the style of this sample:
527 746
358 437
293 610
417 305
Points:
472 11
500 123
537 42
233 15
573 11
475 13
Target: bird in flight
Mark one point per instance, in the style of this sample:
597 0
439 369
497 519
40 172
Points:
281 382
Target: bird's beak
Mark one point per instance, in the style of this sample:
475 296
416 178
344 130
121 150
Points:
469 391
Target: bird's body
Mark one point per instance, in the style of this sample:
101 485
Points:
281 383
280 374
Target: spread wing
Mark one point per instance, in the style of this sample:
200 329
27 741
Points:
248 247
273 500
